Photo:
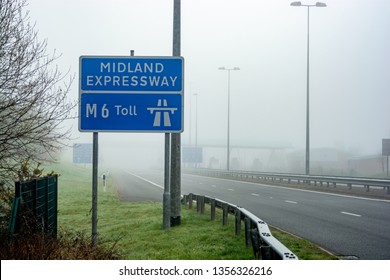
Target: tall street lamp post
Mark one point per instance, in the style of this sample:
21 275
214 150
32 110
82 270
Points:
228 115
195 150
299 4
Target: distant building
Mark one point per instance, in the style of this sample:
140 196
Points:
368 165
323 161
328 161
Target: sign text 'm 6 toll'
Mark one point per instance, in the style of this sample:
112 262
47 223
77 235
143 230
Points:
131 74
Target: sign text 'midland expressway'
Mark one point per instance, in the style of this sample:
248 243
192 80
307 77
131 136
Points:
131 74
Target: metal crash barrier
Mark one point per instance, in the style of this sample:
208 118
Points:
257 233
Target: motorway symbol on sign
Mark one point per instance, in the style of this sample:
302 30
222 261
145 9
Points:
131 112
162 109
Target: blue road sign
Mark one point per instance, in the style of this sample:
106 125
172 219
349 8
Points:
131 112
82 153
192 155
130 74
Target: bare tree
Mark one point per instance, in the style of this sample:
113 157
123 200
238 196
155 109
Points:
33 94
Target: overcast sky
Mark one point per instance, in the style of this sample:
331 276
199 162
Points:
266 39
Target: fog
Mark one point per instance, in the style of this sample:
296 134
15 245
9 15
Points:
349 69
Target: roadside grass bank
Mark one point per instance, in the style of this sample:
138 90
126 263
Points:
134 230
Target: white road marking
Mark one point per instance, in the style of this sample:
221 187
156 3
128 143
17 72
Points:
255 194
231 190
142 178
290 201
351 214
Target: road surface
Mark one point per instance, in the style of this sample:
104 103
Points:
347 226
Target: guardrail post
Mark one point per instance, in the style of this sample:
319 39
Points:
212 204
202 199
190 201
255 238
248 224
198 203
184 200
237 214
367 188
388 190
224 214
265 252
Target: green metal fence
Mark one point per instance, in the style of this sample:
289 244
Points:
36 200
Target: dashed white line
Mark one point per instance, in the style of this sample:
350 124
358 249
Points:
231 190
350 214
290 201
255 194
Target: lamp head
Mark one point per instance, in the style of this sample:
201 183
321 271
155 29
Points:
296 3
320 4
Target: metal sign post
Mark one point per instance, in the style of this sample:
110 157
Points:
176 137
95 149
167 191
